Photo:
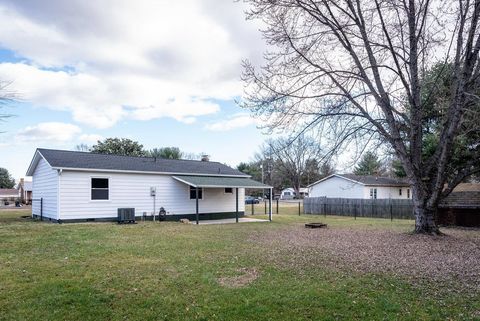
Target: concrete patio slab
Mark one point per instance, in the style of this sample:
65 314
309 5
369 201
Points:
231 220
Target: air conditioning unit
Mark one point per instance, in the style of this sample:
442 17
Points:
126 215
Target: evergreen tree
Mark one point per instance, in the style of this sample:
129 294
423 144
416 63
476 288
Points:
6 180
369 165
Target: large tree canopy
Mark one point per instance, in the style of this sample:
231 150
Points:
118 146
6 180
353 71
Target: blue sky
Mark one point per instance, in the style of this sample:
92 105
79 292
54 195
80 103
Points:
164 74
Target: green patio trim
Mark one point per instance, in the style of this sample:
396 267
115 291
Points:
219 182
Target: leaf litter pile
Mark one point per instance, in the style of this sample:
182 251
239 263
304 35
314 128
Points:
451 261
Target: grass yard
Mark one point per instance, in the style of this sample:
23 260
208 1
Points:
364 269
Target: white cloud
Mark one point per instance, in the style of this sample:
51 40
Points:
235 122
51 131
90 138
146 59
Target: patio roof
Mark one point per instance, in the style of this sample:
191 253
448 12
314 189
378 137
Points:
219 182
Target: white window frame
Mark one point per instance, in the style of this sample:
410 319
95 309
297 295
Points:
373 193
108 189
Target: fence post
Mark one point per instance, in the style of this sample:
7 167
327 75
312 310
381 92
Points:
265 202
391 211
41 208
355 212
253 207
298 208
325 209
277 205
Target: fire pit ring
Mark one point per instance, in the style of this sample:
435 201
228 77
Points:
315 225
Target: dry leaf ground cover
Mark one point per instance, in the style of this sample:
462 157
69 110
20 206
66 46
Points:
366 269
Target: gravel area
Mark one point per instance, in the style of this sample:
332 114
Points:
451 261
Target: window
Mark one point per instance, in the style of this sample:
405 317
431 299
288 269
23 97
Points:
400 191
408 193
286 193
99 188
193 193
228 190
373 193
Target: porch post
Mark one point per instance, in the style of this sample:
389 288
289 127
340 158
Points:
270 205
196 203
236 204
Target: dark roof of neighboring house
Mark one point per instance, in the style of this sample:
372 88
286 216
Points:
8 192
463 195
369 180
375 180
85 160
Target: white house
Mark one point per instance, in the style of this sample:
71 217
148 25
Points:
70 186
25 189
355 186
289 193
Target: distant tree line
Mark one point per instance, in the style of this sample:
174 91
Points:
285 162
128 147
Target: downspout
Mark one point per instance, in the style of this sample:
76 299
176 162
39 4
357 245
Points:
59 171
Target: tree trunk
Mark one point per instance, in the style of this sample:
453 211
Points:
425 219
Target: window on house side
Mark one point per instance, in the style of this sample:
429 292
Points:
373 193
228 190
408 193
193 193
99 189
400 191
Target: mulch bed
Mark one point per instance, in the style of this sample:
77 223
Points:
451 261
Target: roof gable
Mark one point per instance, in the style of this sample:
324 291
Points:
62 159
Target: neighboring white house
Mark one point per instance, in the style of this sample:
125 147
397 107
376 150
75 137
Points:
355 186
79 186
289 193
25 189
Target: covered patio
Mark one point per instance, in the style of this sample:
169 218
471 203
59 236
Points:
205 182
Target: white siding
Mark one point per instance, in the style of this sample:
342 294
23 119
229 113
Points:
337 187
45 186
133 190
387 192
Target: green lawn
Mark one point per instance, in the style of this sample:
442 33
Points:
174 271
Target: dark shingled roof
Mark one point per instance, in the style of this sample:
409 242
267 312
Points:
8 192
375 180
85 160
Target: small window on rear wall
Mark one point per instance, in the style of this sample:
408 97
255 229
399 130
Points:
228 190
193 193
100 188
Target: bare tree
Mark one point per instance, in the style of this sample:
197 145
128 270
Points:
83 147
292 158
353 70
6 97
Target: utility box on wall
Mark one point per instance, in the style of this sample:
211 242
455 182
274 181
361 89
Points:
153 191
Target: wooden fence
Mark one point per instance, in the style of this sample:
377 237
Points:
357 207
